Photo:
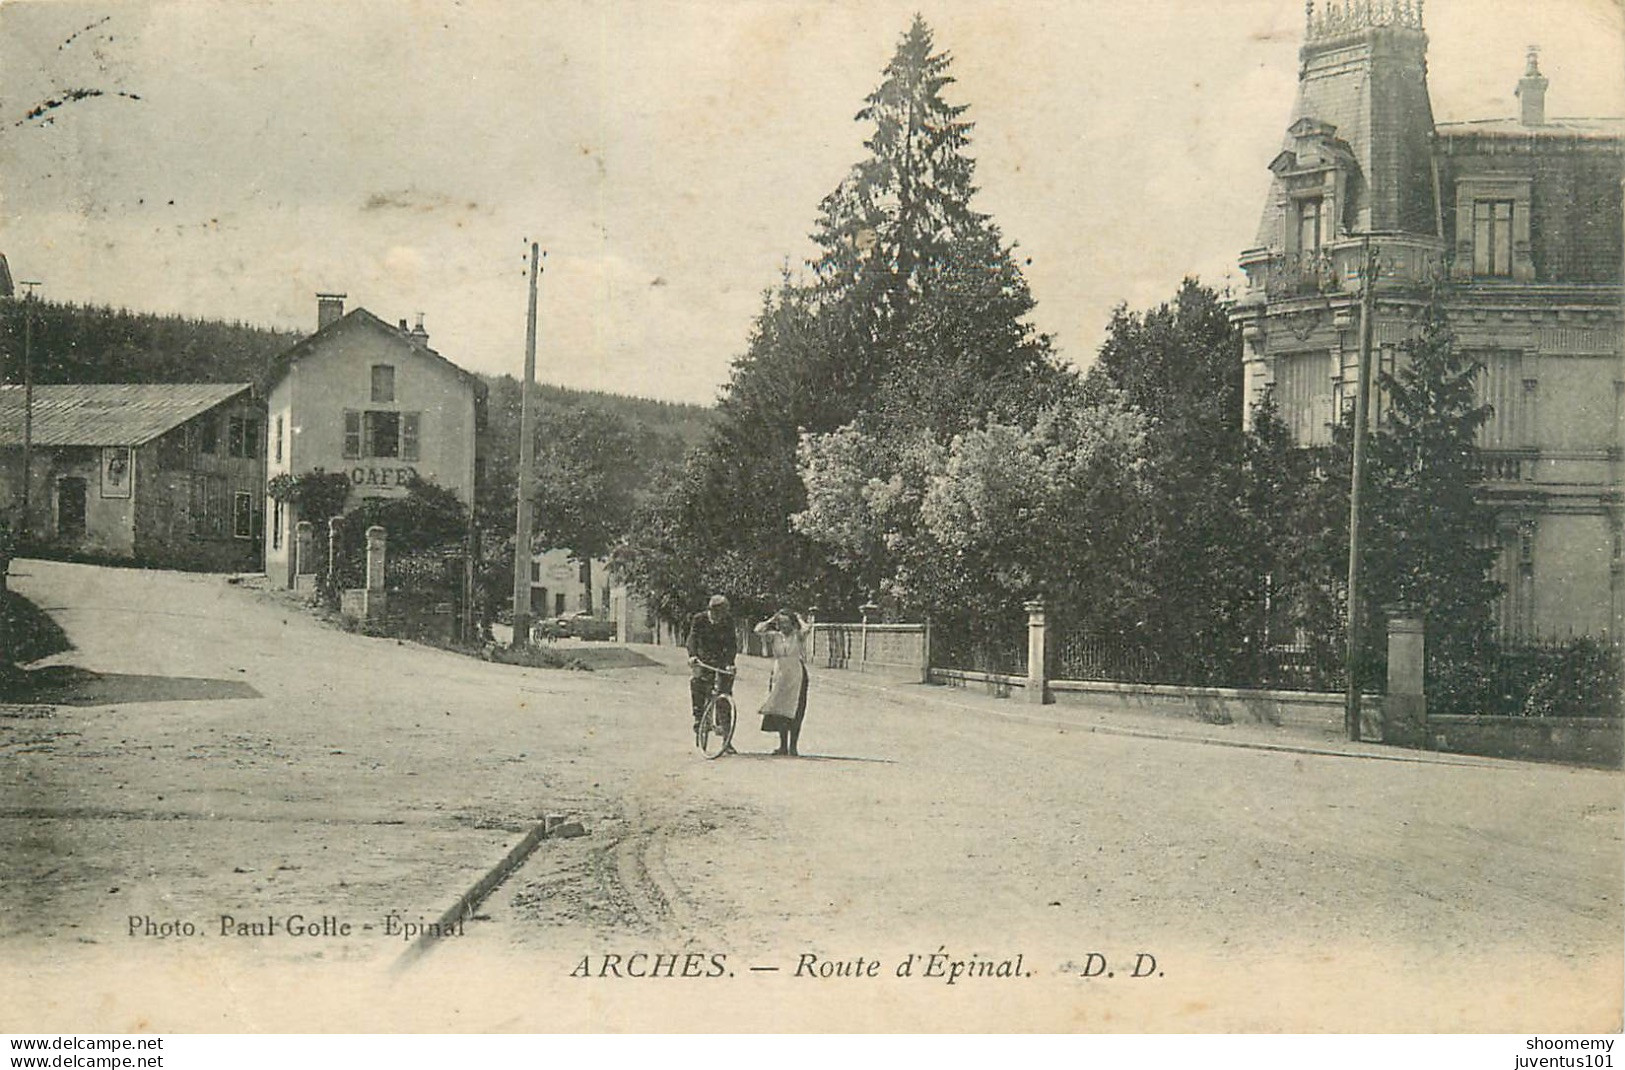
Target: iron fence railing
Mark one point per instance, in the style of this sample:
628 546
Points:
990 643
1088 656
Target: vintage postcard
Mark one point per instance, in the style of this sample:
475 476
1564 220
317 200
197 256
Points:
937 487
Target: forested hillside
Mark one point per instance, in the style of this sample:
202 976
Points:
96 344
681 426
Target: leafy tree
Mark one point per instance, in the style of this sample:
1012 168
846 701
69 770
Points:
1293 528
598 458
428 517
1001 513
1198 583
864 496
588 479
1050 510
316 495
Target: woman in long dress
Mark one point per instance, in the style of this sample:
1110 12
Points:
786 704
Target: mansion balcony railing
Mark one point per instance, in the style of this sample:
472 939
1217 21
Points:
1505 466
1300 276
1404 262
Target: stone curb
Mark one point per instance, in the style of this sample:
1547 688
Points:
553 826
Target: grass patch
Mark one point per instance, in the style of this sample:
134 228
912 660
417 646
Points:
29 633
536 657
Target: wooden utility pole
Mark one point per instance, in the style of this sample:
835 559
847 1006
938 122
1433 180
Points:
1368 307
28 402
527 462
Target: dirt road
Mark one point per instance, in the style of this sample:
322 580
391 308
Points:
244 761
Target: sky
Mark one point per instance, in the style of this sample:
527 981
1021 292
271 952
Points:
669 155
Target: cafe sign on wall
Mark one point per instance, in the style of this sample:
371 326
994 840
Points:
393 478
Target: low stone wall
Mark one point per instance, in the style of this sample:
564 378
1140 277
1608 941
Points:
1317 710
895 650
362 604
999 685
1580 740
422 619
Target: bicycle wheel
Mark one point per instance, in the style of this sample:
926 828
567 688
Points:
717 727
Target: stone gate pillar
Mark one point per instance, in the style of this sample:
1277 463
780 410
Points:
1405 707
867 610
333 526
1037 683
377 539
925 650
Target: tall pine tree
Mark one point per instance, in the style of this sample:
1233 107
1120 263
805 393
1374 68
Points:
1431 536
913 317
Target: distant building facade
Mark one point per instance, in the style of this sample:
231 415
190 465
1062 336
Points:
169 475
1522 219
375 403
561 583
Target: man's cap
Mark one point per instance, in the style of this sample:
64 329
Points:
718 601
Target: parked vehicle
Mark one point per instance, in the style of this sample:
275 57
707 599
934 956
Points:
581 625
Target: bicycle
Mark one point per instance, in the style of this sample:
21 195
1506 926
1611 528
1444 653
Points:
714 733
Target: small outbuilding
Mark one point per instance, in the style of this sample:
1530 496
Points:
163 474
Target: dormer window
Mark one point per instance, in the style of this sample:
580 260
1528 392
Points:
1318 178
1492 228
1492 238
1309 222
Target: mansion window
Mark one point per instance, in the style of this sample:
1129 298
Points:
1303 393
278 440
1511 397
1492 238
381 433
1514 572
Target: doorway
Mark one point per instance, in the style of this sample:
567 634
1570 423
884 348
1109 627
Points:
70 507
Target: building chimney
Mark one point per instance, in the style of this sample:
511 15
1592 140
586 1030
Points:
329 309
1532 91
419 335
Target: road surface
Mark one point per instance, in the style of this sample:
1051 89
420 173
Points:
235 758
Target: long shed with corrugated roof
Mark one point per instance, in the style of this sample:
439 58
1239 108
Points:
161 474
